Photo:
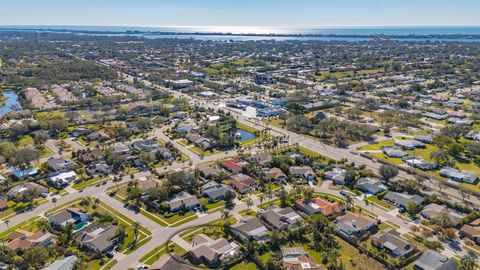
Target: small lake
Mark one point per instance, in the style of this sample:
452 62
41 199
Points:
12 103
242 135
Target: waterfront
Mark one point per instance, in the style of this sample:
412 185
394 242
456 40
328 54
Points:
12 102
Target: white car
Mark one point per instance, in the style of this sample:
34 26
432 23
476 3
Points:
142 266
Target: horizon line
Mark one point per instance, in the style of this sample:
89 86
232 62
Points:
237 26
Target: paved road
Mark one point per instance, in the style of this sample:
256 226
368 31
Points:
161 235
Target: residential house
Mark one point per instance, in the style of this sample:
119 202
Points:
392 241
433 211
199 141
296 258
457 121
471 231
27 187
426 138
262 78
97 237
281 218
353 225
67 263
215 191
94 136
81 131
419 162
147 145
69 215
252 228
234 165
3 204
263 158
179 115
435 116
401 200
432 260
60 164
409 144
207 170
320 206
147 183
212 252
371 186
120 148
22 239
337 175
393 152
459 176
179 84
99 168
473 135
61 180
183 200
23 173
276 174
305 172
185 128
91 156
243 183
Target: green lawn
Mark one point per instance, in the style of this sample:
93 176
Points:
63 206
376 146
269 203
158 252
244 266
28 225
247 128
383 203
354 260
183 142
216 206
248 212
26 140
173 221
56 114
308 152
79 185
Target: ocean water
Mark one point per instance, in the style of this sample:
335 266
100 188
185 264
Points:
419 30
444 33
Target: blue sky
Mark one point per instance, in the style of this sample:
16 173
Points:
273 13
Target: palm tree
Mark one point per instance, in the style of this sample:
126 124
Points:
249 202
348 201
261 197
7 222
85 203
96 202
226 214
43 225
136 227
465 194
115 180
66 236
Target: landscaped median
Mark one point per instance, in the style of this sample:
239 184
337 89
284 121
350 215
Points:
155 254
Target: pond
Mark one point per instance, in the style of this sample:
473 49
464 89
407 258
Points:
243 135
12 103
